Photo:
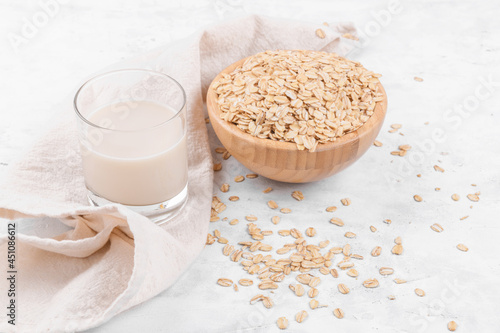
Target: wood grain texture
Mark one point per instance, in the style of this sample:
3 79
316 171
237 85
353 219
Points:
282 161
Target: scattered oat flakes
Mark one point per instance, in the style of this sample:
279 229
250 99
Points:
313 304
297 195
386 271
404 147
343 288
285 210
220 150
265 247
339 313
324 270
210 239
252 175
268 285
282 323
420 292
352 272
452 326
304 258
303 278
320 33
310 232
245 282
284 232
217 166
371 283
301 316
313 292
346 250
399 281
437 227
239 179
228 249
417 198
350 234
234 198
267 190
337 221
226 155
388 221
397 249
272 204
349 36
298 289
224 282
418 79
473 197
464 217
295 233
398 240
336 250
267 302
346 201
377 143
251 218
283 250
315 281
455 197
376 251
224 187
438 168
217 207
331 209
396 126
324 243
275 219
462 247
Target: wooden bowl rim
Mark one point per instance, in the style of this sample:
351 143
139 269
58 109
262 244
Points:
380 109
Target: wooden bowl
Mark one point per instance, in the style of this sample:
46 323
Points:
282 161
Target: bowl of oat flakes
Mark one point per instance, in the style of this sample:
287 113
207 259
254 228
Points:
295 115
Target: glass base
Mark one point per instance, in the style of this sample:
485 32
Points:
158 213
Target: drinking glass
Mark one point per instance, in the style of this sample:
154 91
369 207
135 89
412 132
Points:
132 132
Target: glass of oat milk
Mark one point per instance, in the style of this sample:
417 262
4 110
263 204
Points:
132 132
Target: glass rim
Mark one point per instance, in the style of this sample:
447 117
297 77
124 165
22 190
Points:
117 71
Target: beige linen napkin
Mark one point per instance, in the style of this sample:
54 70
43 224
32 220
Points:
113 258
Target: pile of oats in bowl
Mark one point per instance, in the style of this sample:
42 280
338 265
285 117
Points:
305 97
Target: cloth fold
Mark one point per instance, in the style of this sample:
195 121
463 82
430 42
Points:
114 258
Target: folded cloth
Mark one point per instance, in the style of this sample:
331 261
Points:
113 258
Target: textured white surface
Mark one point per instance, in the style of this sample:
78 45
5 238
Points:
453 46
